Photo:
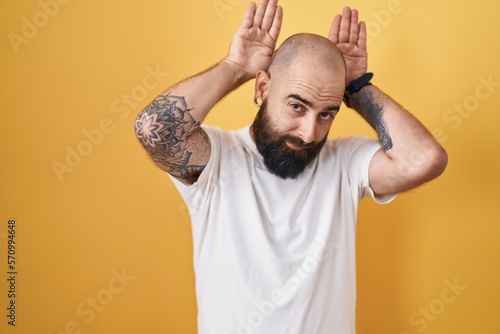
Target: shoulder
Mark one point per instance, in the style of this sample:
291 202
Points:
343 145
222 137
348 153
219 134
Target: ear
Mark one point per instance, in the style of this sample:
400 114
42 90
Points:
262 85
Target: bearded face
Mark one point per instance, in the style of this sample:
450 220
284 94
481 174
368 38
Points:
279 158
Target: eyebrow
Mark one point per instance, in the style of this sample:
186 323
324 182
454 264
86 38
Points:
309 103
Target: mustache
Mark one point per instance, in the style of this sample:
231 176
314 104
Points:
298 142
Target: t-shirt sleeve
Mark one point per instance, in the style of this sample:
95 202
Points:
360 151
197 195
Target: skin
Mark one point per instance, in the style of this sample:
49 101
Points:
169 128
303 98
410 155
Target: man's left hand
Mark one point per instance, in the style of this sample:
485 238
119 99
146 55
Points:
349 36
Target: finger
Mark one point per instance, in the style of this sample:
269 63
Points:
248 19
345 25
362 36
259 14
267 22
334 29
353 35
276 27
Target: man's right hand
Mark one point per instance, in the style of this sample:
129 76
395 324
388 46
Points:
253 45
169 128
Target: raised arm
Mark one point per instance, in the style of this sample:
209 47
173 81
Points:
410 155
169 128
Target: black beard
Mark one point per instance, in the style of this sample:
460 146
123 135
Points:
280 159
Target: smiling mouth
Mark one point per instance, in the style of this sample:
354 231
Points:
294 147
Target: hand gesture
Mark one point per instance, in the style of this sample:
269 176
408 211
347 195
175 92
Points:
253 45
350 37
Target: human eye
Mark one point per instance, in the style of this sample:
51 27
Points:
326 116
296 107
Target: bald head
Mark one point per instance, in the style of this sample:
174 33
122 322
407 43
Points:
310 51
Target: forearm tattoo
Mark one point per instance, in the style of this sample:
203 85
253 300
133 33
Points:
167 131
365 105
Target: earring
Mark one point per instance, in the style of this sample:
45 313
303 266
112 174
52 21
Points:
255 101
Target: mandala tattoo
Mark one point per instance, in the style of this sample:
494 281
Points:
164 129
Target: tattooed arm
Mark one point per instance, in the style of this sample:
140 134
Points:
410 155
169 128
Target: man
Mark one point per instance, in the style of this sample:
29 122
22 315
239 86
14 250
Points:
273 205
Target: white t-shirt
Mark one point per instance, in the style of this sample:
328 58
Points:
277 256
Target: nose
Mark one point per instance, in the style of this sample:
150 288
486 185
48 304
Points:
307 129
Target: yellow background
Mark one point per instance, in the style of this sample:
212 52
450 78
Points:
116 212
